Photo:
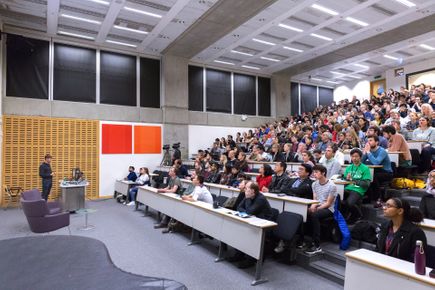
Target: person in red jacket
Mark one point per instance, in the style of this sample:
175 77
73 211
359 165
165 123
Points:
265 177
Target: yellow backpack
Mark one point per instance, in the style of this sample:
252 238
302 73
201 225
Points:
419 184
402 183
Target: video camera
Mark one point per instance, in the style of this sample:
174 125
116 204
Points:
176 145
166 147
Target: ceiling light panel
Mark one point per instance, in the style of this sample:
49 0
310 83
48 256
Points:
80 18
324 9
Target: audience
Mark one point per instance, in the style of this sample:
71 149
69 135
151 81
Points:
200 192
131 174
143 178
265 177
280 180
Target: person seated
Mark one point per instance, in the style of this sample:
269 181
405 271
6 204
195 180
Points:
174 186
399 235
308 158
143 179
297 156
425 132
265 177
257 205
397 142
243 163
317 154
261 154
358 174
301 186
326 138
373 154
200 193
325 192
214 175
287 155
234 178
280 180
225 175
232 160
131 174
374 130
275 153
333 167
427 203
181 169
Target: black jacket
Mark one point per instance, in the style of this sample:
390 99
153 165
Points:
213 177
277 157
258 206
427 206
287 157
304 189
45 171
279 184
403 244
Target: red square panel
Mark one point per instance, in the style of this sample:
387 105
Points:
116 139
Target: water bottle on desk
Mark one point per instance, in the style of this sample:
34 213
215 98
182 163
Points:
420 259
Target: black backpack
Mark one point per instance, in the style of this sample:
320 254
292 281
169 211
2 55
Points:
365 231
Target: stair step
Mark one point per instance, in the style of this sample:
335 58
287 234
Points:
329 270
413 200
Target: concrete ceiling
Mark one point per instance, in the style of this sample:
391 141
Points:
295 37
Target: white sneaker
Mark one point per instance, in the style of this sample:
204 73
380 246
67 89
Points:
131 203
280 248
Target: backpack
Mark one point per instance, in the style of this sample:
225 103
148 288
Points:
402 183
365 231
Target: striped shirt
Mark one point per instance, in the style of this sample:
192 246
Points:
324 191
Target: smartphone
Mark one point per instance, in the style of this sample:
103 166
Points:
281 194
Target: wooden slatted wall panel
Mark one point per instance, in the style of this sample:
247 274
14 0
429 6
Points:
72 142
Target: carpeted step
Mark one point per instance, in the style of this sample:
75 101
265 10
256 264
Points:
329 270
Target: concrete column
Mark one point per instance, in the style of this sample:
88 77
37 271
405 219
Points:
175 101
280 95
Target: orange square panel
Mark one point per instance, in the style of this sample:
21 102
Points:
147 139
116 139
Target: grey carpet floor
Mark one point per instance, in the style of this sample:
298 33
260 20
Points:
134 246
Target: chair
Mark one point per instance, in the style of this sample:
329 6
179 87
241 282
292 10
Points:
40 218
288 225
35 195
13 192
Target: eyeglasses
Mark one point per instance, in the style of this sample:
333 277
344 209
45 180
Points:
387 205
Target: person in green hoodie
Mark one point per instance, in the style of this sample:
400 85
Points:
358 174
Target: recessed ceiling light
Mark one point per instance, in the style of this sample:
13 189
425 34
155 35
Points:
391 57
120 43
361 65
75 35
324 9
406 3
142 12
271 59
224 62
321 36
263 41
316 79
130 29
336 72
356 21
251 67
332 82
290 27
80 19
241 52
425 46
100 2
293 49
354 77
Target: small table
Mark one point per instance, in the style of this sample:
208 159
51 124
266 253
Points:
85 211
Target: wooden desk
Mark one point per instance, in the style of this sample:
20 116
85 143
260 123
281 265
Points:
253 175
394 156
291 166
247 235
281 203
371 168
428 226
371 270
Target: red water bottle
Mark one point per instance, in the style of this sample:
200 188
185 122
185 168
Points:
420 259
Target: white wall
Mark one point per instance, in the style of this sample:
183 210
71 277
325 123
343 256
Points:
115 166
396 82
358 88
202 137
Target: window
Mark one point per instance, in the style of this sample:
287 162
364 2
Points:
263 96
294 98
149 83
218 92
326 96
244 94
26 67
74 77
308 98
117 79
196 88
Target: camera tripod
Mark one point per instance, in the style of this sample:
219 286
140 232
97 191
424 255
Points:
166 160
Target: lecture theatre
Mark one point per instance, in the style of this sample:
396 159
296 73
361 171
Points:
217 144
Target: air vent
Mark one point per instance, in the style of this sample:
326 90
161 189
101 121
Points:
134 24
229 59
247 50
333 31
256 64
17 17
77 29
124 38
151 5
41 2
383 10
302 21
372 62
270 36
275 55
345 70
302 44
82 11
404 53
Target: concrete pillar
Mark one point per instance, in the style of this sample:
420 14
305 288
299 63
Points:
175 101
280 95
